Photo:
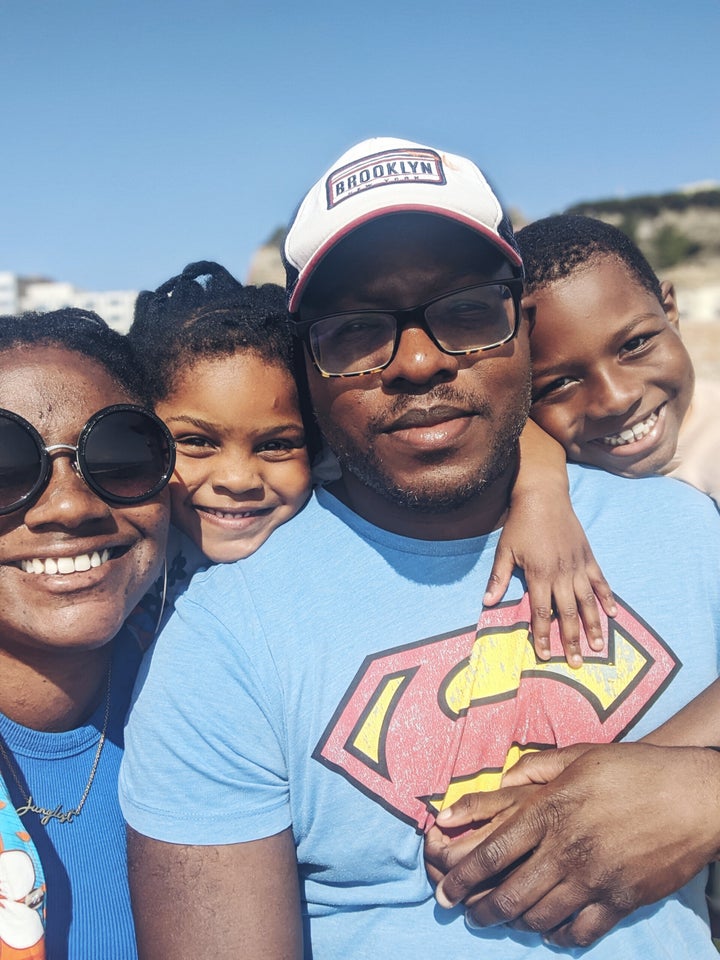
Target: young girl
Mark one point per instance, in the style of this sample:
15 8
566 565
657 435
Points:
220 366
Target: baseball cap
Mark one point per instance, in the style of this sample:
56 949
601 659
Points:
387 175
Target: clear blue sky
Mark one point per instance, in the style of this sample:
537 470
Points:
138 135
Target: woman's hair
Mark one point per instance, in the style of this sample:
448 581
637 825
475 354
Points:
79 331
205 313
554 247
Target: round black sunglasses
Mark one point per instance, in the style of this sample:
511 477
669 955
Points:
124 453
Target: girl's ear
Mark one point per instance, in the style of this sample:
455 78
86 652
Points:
669 302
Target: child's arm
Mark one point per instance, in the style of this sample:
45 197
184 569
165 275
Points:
544 538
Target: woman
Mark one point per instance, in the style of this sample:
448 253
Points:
83 523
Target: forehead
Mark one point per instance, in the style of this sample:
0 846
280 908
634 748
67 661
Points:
229 389
56 389
401 260
594 299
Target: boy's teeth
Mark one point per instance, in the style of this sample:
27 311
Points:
82 562
632 434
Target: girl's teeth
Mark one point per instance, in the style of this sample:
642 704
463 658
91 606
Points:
79 564
632 434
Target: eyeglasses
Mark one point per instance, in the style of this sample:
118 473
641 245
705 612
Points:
124 453
469 320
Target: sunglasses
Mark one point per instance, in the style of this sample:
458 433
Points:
124 453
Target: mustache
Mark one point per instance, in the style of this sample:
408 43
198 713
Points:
443 395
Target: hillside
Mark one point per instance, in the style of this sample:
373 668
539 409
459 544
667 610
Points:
678 232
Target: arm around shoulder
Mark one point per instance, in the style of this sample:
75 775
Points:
216 902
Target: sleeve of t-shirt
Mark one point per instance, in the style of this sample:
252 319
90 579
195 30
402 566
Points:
205 739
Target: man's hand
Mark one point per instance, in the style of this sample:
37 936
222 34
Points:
621 826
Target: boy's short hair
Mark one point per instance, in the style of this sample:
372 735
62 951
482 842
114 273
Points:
554 247
79 331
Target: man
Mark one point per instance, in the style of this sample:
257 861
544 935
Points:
307 712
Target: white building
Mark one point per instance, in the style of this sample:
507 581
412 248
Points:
20 294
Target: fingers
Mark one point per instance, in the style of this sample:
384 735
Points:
587 926
541 616
498 853
476 807
502 571
524 895
600 587
568 618
543 766
572 598
443 852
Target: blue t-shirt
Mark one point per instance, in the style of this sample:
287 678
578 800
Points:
337 682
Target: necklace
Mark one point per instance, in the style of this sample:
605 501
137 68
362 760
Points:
62 816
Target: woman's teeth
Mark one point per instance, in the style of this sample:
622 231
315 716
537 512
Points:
85 561
632 434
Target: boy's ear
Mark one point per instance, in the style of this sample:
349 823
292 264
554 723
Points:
527 310
669 302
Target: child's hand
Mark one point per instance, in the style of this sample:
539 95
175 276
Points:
563 578
544 538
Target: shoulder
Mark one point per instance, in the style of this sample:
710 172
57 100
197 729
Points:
310 539
657 531
589 483
696 461
652 509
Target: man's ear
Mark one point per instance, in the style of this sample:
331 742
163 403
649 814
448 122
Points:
669 302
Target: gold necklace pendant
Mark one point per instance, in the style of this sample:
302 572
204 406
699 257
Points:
62 816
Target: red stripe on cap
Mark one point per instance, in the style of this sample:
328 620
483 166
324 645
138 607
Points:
306 272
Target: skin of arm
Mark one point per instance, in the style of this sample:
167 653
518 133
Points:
543 537
220 902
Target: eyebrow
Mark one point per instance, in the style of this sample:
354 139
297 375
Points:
193 421
564 365
275 430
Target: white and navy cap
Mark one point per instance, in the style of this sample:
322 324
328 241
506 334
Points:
386 175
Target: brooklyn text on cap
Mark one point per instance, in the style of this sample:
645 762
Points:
387 175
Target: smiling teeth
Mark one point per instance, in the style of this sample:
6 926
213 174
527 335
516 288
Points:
632 434
85 561
232 514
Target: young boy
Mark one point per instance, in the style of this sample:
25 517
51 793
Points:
612 380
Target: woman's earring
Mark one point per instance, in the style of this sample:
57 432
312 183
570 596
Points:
162 599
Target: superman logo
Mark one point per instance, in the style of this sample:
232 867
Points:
425 723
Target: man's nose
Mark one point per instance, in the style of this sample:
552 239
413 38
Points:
419 361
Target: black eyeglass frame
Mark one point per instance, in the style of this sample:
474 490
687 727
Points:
78 460
302 328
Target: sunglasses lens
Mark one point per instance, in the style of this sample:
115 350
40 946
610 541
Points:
126 456
21 466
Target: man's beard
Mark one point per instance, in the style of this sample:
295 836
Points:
437 492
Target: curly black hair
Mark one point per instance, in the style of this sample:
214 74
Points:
79 331
554 247
204 312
